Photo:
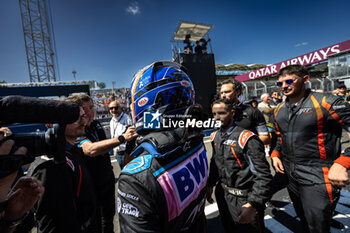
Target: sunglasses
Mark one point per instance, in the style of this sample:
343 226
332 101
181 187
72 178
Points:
116 108
288 81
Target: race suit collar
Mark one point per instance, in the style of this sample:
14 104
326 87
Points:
306 94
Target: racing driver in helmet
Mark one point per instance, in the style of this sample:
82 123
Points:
164 188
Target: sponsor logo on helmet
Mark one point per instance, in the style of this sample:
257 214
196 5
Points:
141 84
185 83
143 101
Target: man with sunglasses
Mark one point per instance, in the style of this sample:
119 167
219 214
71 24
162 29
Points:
118 125
309 127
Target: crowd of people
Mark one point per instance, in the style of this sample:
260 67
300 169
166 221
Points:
166 177
199 48
103 99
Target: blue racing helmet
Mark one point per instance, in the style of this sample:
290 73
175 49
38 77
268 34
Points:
162 87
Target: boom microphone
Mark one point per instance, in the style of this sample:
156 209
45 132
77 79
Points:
19 109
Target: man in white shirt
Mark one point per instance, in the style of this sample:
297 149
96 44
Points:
118 125
265 107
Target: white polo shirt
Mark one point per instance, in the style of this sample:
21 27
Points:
118 127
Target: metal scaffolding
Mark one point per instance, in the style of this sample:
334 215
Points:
38 40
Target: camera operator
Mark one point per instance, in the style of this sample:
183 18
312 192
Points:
15 203
204 43
95 147
188 48
68 204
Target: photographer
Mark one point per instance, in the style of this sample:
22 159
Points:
15 203
68 204
96 146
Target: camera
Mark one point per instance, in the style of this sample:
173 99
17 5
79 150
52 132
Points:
40 142
51 142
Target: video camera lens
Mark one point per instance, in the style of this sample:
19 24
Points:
38 143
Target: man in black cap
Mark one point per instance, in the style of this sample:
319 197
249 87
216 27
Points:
341 91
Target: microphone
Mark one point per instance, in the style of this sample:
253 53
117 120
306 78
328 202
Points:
19 109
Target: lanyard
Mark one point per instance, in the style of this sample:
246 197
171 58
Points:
118 122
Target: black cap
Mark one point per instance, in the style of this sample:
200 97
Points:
340 85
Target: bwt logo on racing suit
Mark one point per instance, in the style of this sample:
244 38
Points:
183 182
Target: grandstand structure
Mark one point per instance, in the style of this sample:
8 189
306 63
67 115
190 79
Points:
45 89
327 66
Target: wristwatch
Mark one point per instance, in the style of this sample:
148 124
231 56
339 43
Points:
121 139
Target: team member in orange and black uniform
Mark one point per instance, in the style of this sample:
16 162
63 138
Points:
309 126
246 116
242 174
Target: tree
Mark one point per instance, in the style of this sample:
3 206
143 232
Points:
101 85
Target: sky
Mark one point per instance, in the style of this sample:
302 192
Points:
110 40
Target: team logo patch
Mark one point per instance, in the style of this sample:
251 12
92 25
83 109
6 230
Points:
304 111
243 138
128 209
142 102
338 107
151 120
128 195
230 142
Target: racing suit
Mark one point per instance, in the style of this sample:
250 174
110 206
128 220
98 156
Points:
308 144
68 204
164 188
242 174
102 175
250 118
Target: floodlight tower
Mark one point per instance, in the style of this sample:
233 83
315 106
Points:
38 40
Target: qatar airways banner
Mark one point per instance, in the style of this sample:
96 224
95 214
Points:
306 59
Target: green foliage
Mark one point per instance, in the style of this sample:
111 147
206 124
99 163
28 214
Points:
101 85
238 67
